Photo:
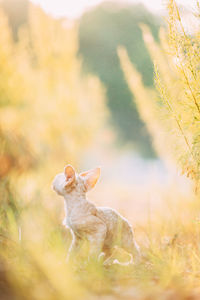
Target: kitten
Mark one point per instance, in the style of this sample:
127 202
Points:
103 227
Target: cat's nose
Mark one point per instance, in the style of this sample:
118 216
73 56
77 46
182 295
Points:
53 186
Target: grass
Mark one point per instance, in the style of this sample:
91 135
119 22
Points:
34 267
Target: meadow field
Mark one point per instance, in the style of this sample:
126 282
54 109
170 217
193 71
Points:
55 111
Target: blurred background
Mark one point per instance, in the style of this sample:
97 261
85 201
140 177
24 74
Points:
64 99
99 83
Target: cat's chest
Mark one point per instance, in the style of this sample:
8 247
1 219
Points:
78 212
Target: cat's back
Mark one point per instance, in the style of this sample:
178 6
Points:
110 217
113 219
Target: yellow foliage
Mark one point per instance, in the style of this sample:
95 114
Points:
173 114
50 115
57 111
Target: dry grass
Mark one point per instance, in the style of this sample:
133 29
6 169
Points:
34 266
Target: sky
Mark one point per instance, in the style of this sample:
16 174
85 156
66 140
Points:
74 8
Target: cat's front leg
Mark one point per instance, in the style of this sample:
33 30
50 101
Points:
74 247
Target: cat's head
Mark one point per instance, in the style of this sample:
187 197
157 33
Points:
70 182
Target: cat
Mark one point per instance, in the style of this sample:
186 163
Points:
103 227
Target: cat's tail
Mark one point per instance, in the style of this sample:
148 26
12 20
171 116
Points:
130 262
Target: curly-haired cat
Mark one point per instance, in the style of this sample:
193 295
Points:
103 227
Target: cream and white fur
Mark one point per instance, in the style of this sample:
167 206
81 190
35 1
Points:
103 227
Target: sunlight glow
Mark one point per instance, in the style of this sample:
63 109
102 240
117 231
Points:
69 8
74 8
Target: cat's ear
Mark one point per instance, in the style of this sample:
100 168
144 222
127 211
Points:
69 174
90 178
